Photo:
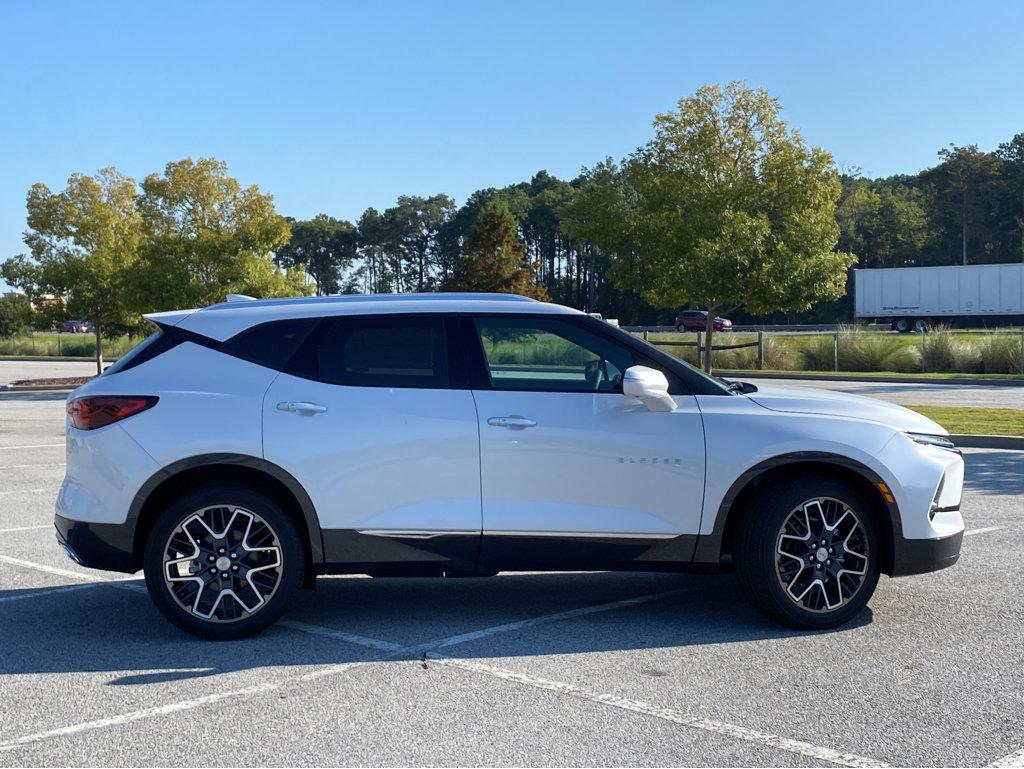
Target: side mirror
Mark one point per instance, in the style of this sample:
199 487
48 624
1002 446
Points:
650 386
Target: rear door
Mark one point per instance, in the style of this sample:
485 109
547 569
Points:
371 418
574 473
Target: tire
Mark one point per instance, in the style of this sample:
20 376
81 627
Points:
921 325
903 325
783 586
259 558
681 328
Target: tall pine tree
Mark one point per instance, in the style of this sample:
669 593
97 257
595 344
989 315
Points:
494 259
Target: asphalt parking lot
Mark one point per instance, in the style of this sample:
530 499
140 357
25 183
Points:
521 669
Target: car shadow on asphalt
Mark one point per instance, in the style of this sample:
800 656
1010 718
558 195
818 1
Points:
114 631
994 472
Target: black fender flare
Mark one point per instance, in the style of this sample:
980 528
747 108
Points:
709 546
316 542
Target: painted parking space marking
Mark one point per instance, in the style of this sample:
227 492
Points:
34 464
33 446
26 528
22 491
127 583
1012 761
986 530
798 747
389 651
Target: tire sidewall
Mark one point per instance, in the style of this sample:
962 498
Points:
292 555
758 551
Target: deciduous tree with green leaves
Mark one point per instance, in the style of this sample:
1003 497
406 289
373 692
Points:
724 207
84 245
494 258
204 236
325 247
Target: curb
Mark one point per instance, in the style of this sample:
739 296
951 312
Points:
818 376
1014 442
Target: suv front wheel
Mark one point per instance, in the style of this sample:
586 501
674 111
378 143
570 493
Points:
808 552
223 561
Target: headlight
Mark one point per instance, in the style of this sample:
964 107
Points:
941 441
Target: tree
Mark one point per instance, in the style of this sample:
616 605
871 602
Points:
325 247
885 226
726 207
494 258
15 314
206 236
1012 155
83 245
414 227
967 174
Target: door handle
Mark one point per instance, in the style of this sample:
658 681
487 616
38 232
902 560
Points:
513 422
301 407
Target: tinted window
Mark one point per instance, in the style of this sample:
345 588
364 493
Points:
270 344
137 354
549 354
379 352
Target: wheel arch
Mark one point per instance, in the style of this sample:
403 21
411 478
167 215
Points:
716 547
251 471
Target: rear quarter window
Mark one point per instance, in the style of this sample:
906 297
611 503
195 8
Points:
270 344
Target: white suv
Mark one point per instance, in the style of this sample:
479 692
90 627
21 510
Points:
245 448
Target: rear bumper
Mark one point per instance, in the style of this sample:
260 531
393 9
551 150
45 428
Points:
919 556
106 546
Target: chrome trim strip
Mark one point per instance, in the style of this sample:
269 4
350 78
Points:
581 534
417 533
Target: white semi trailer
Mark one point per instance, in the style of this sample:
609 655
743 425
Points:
912 298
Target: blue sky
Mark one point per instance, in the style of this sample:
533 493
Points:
337 106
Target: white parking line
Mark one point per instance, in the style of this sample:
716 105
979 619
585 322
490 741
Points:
392 650
22 491
120 582
1012 761
135 715
986 530
666 714
35 464
26 528
33 446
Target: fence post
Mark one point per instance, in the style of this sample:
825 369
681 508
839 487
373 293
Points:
700 350
835 351
760 349
645 336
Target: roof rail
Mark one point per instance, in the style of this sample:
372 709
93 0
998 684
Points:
233 300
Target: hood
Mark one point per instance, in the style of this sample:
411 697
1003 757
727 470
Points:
806 400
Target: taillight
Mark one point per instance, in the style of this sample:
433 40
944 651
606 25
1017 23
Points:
90 412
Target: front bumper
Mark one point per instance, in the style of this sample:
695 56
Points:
919 556
106 546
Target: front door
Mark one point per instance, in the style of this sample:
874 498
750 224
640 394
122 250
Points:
575 474
367 417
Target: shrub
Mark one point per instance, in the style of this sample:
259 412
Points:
861 350
943 351
1001 354
818 353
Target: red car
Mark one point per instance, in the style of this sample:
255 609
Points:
697 320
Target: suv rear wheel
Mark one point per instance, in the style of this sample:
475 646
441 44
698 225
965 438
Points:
808 552
223 561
